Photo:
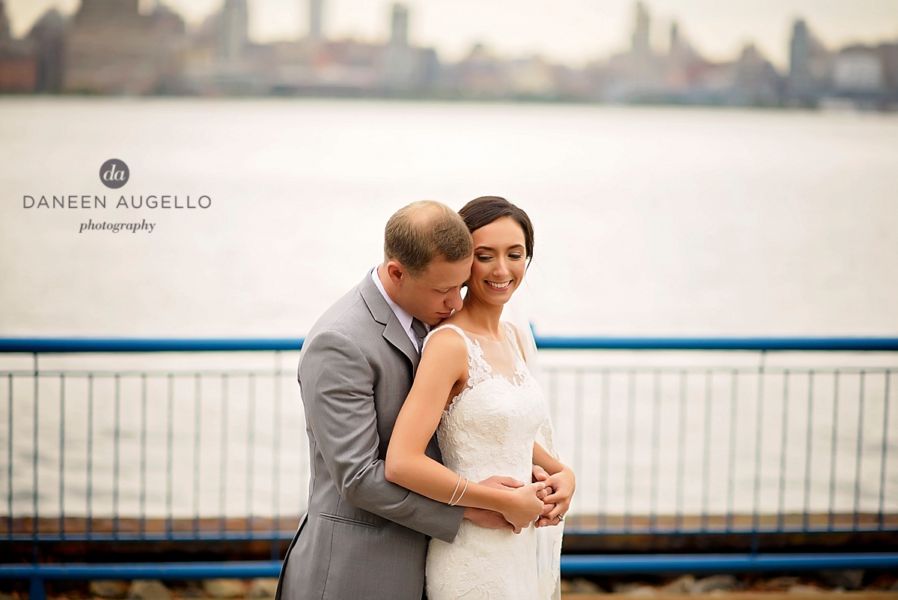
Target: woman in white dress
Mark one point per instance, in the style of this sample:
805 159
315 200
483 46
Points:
474 389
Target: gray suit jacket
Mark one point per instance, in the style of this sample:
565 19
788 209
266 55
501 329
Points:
362 537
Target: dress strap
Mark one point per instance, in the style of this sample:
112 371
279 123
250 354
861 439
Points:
454 328
478 368
512 334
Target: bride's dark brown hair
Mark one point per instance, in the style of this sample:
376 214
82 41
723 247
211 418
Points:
486 209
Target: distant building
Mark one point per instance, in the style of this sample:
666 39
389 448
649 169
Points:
889 56
755 80
638 73
47 36
808 66
407 69
640 40
858 70
18 65
684 66
316 20
399 25
112 48
233 31
479 75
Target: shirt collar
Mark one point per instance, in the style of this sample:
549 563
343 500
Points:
405 319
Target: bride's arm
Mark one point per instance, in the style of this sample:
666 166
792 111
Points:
561 480
443 364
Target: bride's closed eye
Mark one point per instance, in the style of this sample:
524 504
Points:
487 257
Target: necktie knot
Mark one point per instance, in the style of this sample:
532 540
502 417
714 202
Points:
420 331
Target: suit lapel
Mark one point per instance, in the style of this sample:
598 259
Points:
383 314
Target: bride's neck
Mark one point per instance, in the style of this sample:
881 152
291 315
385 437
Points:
482 317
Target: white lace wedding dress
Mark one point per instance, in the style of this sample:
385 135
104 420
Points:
489 429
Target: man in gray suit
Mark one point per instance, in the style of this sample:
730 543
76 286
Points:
363 537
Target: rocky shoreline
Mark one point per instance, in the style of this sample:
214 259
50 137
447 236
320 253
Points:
854 583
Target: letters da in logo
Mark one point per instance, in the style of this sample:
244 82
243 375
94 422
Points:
114 173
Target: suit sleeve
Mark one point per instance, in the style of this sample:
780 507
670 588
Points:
337 385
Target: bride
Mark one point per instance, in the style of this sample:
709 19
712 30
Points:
474 389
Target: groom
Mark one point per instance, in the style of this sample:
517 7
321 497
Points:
362 536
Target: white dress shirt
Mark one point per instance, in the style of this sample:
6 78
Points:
405 319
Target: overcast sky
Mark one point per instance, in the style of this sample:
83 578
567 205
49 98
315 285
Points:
574 31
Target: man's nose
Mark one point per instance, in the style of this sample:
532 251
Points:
454 301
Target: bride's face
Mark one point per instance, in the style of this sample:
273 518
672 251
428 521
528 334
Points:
500 261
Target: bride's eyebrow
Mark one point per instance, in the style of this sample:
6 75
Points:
489 249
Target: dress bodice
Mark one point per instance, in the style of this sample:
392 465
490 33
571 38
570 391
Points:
489 428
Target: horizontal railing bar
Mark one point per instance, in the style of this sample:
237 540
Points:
48 373
162 570
186 536
852 344
592 564
286 535
102 345
584 370
735 531
727 563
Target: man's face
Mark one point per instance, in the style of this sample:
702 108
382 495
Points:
433 294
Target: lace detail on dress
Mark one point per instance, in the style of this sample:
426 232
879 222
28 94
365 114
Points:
479 369
489 429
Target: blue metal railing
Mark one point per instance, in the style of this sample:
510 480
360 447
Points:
746 449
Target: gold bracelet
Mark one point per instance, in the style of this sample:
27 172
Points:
455 491
462 494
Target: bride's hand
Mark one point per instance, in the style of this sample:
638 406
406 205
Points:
563 483
524 505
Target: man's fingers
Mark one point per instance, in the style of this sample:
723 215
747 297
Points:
547 508
502 480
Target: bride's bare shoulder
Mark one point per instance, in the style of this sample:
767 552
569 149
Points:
446 339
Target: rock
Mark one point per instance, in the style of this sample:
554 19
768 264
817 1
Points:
779 584
680 586
882 582
850 579
723 583
148 589
191 589
224 588
805 589
635 589
584 586
109 588
263 588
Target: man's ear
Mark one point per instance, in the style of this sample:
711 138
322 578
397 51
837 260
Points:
395 271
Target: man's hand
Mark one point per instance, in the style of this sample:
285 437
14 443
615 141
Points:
487 519
540 474
490 519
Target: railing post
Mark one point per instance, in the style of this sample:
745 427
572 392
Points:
36 589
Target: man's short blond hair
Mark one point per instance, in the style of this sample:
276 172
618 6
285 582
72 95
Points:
422 231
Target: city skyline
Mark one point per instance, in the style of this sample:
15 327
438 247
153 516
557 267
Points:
577 32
